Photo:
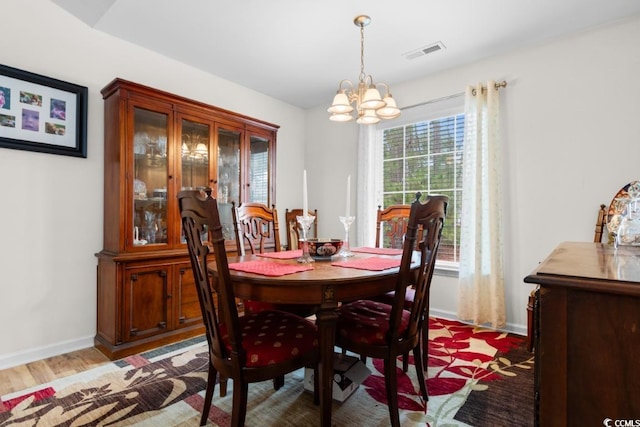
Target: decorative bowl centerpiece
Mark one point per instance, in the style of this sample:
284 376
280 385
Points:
322 248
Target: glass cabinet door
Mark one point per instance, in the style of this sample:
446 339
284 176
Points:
228 171
259 165
150 173
196 139
195 143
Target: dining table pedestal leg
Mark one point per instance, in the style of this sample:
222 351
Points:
326 319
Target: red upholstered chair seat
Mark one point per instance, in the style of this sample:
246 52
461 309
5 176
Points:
408 298
274 336
367 321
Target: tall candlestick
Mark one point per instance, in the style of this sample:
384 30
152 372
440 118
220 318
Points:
305 205
348 196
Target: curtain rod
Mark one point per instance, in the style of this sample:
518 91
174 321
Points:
455 95
496 85
431 101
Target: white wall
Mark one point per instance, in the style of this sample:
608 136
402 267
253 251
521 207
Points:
571 140
570 143
51 214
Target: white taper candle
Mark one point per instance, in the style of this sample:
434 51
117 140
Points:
348 196
305 205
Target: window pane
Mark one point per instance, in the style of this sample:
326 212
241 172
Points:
443 135
443 174
427 156
393 175
417 173
393 199
394 142
417 139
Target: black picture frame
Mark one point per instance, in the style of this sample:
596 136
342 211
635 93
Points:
42 114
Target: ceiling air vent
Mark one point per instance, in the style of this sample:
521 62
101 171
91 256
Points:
425 50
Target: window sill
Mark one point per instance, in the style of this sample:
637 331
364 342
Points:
446 269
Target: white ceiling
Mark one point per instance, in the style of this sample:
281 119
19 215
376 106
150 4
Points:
298 50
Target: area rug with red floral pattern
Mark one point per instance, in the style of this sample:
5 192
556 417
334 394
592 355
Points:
475 378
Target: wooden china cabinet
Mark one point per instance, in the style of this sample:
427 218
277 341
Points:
156 144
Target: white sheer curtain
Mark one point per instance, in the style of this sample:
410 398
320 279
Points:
368 184
481 278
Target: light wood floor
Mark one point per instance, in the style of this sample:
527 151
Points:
43 371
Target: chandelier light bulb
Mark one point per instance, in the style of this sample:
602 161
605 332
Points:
389 111
340 104
344 117
368 118
372 99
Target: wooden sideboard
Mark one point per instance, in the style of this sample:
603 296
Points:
587 335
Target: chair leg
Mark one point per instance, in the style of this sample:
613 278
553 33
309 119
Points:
425 343
391 385
417 358
223 386
239 409
278 382
208 396
316 386
425 348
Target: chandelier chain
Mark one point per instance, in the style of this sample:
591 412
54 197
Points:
362 76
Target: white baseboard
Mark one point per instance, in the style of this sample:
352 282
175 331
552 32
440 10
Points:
32 355
509 327
39 353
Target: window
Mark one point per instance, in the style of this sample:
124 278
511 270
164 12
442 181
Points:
426 155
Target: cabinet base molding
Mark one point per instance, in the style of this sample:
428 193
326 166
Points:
121 350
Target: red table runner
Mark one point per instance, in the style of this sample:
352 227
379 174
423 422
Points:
268 268
373 263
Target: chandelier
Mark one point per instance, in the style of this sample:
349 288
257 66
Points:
370 107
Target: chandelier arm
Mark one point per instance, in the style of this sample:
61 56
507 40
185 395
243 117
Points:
368 80
387 90
345 86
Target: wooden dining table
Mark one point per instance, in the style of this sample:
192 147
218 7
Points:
324 286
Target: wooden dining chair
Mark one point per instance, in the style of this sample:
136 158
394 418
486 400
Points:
385 331
391 227
257 231
256 228
241 348
293 227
